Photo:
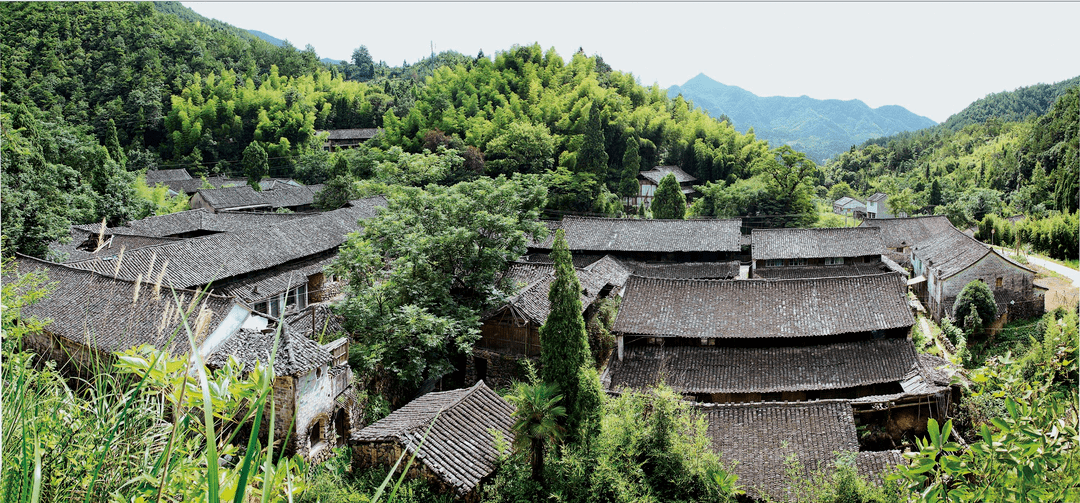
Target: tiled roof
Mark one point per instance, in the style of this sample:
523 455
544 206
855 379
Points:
460 446
579 259
199 261
872 464
280 195
904 232
815 243
531 302
273 281
352 134
326 321
166 175
762 308
844 201
104 313
296 354
758 437
73 251
658 173
952 252
646 235
821 271
716 369
686 270
878 196
201 219
194 184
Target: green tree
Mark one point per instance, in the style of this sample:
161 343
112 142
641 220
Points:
935 193
627 185
840 190
338 191
365 65
592 158
975 303
669 202
520 148
423 270
256 165
536 421
564 344
790 176
901 204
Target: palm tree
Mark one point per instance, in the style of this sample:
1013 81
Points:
535 420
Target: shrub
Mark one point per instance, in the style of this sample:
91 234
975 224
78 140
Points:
975 306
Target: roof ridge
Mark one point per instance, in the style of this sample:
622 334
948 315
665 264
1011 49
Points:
91 272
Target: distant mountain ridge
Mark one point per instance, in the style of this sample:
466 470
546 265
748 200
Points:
281 43
819 128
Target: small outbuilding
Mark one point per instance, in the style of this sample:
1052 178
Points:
453 434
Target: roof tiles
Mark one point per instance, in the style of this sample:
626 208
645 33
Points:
646 235
815 243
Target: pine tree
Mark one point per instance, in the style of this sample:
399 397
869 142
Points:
935 193
592 158
669 201
564 345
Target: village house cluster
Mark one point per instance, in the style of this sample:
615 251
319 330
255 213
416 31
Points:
786 340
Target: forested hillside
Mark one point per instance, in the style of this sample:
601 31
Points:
1012 105
1000 167
820 128
158 86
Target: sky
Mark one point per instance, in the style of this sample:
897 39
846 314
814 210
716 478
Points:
932 58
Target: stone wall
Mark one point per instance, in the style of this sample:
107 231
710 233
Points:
369 454
71 357
1016 295
314 409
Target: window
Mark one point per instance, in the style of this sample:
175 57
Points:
275 307
261 307
777 262
998 282
834 260
798 261
316 433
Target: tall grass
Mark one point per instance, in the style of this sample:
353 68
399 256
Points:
148 427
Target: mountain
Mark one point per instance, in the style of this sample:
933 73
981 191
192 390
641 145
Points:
819 128
267 37
1011 105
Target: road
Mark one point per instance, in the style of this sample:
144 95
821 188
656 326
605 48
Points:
1072 274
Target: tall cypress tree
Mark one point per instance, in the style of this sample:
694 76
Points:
626 185
564 345
256 164
669 201
593 158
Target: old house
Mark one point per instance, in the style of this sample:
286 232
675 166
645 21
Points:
900 234
274 267
794 253
458 431
511 332
946 263
315 401
93 315
754 340
339 139
875 206
648 240
759 438
849 207
648 181
273 197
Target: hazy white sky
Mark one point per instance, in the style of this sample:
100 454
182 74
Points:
932 58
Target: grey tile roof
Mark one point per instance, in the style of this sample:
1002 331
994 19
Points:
758 437
296 354
762 308
645 235
74 250
531 301
104 313
872 464
351 134
843 201
822 271
273 281
460 447
194 184
166 175
718 369
904 232
579 259
659 172
953 251
685 270
878 196
276 195
815 243
326 321
199 261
